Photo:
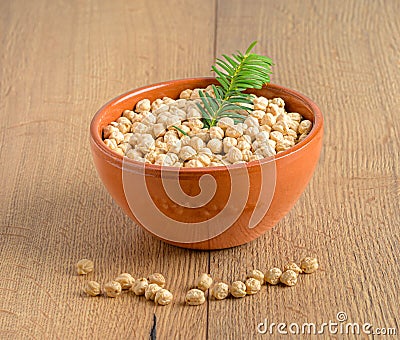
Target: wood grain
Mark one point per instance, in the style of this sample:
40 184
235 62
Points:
61 60
344 57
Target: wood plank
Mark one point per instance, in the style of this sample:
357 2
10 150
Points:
344 55
60 62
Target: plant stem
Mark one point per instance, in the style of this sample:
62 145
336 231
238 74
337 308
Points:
228 92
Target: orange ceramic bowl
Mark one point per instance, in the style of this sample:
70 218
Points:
229 217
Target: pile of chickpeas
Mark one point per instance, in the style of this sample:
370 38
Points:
171 132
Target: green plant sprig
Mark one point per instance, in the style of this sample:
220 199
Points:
180 130
235 74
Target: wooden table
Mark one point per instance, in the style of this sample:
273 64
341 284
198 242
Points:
61 60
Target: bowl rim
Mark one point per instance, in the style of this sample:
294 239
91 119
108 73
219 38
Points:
98 141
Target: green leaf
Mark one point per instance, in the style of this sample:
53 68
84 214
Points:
251 47
235 74
218 92
206 114
224 66
231 115
212 101
222 79
231 61
239 100
180 130
206 102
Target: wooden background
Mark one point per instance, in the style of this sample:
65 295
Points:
61 60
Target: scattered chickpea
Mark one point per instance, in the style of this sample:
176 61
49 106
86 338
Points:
256 274
253 286
238 289
151 290
92 288
112 289
289 277
126 280
139 286
292 266
163 297
195 297
273 275
309 265
204 281
157 278
84 266
220 291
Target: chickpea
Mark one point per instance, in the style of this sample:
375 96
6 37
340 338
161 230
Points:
112 289
238 289
84 266
195 297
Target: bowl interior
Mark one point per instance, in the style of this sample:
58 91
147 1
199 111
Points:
294 102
